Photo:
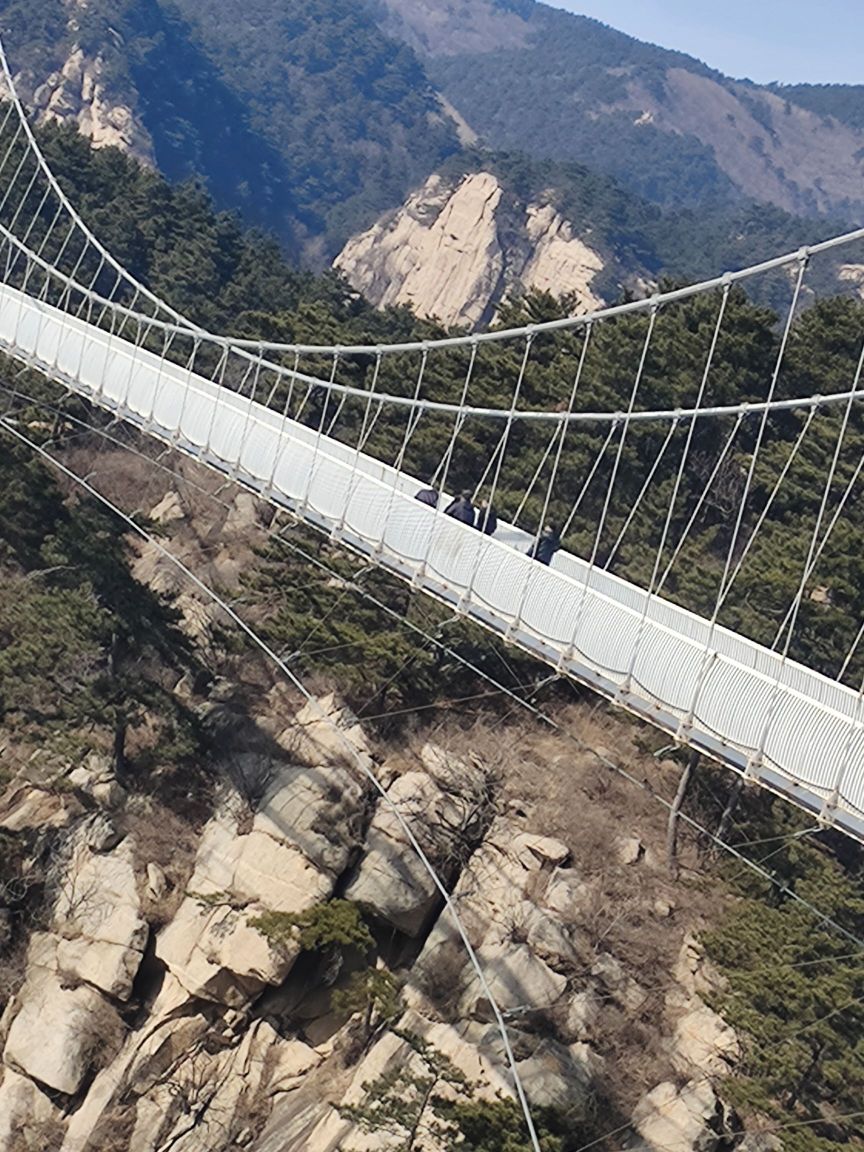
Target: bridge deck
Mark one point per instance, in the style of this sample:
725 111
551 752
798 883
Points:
732 701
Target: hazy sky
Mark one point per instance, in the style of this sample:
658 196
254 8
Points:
791 41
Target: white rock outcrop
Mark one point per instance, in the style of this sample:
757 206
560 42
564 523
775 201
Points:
453 252
169 1033
760 1142
210 945
490 899
689 1119
629 849
559 262
583 1012
694 972
439 254
97 916
852 274
330 1131
568 895
620 985
517 979
24 1107
219 1087
78 93
549 939
169 1072
440 808
317 809
96 778
288 860
325 732
557 1077
704 1043
59 1031
169 509
26 808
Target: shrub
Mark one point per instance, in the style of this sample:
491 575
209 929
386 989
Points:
337 922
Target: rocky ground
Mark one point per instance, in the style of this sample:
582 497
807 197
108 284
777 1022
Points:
156 1008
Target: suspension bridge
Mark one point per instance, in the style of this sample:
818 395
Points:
294 424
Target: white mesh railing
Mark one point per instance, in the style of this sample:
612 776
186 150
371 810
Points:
813 750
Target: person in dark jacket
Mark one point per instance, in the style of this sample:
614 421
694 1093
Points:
315 407
545 545
428 496
461 509
486 521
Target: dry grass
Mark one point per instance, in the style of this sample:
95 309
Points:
135 484
107 1033
13 965
160 836
42 1136
554 785
114 1131
444 981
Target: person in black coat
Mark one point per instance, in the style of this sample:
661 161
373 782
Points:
461 509
428 496
315 407
486 521
545 545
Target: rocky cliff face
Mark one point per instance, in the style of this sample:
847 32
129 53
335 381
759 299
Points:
456 249
77 93
156 1011
204 1035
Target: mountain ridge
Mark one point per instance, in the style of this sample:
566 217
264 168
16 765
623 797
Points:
314 120
627 103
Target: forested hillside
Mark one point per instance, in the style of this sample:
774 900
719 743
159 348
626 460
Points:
562 86
845 102
82 643
301 115
314 118
572 63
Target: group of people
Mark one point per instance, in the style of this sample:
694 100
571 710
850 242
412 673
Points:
485 520
483 517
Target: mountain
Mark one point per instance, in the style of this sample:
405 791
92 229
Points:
334 123
489 226
555 85
212 938
299 113
459 246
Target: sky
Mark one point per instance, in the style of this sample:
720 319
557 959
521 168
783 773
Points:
793 41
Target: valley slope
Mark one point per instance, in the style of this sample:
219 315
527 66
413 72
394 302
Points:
312 118
557 85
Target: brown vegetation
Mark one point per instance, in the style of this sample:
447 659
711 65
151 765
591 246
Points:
557 784
162 837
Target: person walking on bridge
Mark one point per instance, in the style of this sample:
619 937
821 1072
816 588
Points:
461 508
428 496
314 407
487 520
545 545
